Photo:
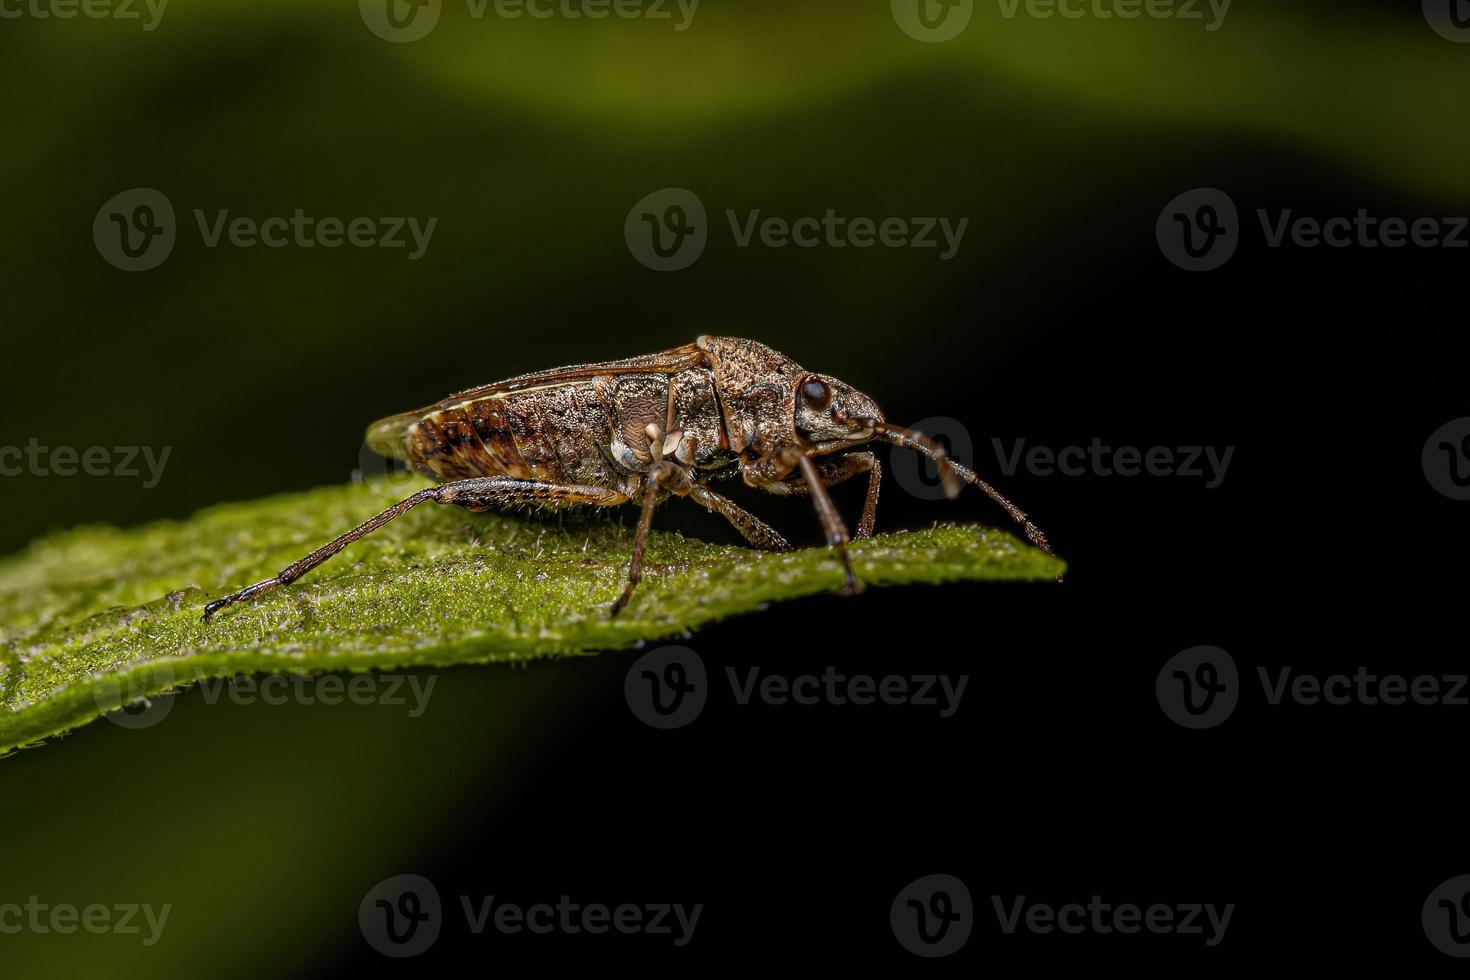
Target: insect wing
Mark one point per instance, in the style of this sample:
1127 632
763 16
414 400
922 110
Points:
386 436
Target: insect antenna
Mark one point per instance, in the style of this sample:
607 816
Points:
950 470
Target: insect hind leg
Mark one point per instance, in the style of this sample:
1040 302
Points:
755 531
475 494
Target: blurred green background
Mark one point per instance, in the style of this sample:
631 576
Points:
529 141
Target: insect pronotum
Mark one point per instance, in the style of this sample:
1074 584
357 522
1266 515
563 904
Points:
644 429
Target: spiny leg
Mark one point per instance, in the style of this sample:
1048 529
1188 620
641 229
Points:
835 470
752 528
475 494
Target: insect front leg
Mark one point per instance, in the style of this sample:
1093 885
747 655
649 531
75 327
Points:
774 467
836 470
476 494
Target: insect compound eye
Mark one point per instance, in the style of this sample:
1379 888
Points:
815 394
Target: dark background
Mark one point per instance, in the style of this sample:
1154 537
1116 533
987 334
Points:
1059 320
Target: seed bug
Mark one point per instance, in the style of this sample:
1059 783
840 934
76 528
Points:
645 429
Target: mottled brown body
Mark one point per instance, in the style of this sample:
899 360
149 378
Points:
641 430
585 431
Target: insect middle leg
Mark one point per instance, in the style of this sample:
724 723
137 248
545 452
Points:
775 467
475 494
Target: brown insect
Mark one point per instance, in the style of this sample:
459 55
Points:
644 429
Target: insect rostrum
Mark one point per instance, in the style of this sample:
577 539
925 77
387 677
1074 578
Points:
642 430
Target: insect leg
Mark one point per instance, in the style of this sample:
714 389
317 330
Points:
752 528
836 470
657 474
832 525
476 494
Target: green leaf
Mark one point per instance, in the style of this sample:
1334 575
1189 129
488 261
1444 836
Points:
99 618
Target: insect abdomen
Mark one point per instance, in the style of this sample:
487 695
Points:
547 434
